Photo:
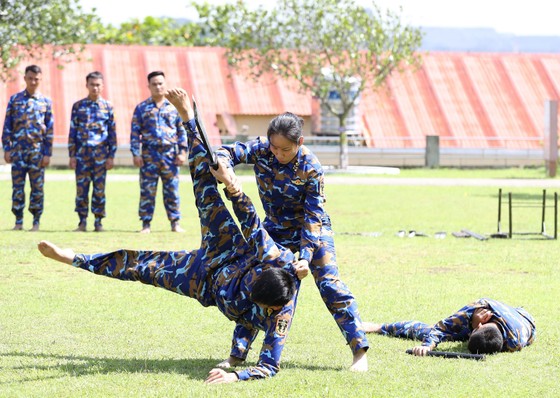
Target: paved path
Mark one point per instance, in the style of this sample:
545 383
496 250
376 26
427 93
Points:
362 180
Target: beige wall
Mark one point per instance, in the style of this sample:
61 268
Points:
258 125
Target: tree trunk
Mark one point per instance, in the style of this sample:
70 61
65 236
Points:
343 141
343 149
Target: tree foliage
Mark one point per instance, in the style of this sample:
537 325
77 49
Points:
329 46
38 28
319 44
209 31
150 31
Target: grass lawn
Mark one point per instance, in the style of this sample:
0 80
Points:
68 333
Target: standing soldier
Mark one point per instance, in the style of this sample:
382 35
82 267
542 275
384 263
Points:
92 144
27 141
159 146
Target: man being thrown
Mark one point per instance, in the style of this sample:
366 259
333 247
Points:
251 280
489 326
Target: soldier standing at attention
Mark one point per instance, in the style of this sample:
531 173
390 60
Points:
92 144
159 146
27 141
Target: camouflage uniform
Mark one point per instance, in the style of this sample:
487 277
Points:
162 136
221 273
92 140
516 324
28 134
293 200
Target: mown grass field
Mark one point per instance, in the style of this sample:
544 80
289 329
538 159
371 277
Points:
68 333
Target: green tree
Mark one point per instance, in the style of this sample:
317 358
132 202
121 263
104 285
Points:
38 28
332 46
150 31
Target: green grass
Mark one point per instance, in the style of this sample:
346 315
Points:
68 333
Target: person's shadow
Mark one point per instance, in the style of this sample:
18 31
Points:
79 365
32 366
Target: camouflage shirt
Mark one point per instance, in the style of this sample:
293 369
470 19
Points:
92 123
29 123
153 126
292 194
516 324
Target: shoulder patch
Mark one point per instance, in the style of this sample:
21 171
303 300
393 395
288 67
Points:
282 323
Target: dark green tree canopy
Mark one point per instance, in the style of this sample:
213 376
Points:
38 28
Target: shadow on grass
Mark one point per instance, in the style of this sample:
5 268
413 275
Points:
79 365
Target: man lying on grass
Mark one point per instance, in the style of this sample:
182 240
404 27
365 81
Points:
488 325
251 280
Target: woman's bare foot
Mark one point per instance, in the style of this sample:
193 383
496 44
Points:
370 327
228 363
51 250
359 362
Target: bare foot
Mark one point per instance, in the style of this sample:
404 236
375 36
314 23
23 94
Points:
228 363
177 228
359 362
370 327
18 227
51 250
145 230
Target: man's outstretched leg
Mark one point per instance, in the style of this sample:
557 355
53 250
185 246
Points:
216 222
414 330
51 250
370 327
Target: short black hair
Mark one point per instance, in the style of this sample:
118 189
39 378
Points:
486 341
154 74
94 75
273 287
33 69
287 125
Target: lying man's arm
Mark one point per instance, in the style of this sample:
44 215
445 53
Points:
456 327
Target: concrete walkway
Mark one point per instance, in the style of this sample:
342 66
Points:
363 180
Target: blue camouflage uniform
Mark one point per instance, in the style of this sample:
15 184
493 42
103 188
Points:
28 135
92 140
293 200
516 324
222 271
158 136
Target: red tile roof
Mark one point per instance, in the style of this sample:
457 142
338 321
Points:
469 100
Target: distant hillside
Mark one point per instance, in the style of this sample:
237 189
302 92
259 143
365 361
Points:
486 40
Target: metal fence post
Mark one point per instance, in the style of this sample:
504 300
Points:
432 151
551 136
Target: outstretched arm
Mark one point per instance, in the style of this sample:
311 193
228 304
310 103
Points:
262 245
227 176
276 326
456 327
179 98
220 376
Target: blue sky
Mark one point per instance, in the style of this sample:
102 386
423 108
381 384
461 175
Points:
519 17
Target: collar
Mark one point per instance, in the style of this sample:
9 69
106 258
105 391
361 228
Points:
29 95
99 99
163 104
292 164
